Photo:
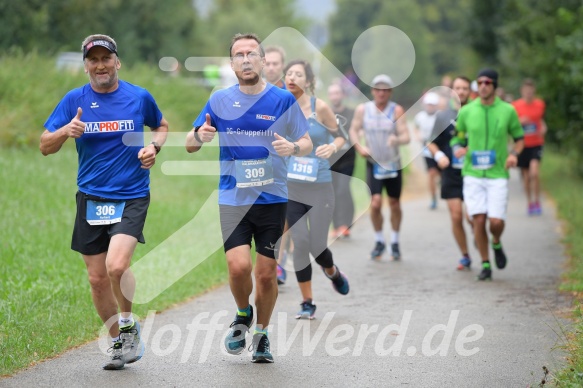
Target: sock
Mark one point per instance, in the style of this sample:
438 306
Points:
245 312
116 339
394 237
259 331
379 236
309 300
334 275
496 245
486 264
126 322
466 255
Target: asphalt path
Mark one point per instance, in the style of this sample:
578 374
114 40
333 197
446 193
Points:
417 322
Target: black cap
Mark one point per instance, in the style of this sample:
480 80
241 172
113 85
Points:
99 42
490 73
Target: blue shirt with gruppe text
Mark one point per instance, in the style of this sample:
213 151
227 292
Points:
251 170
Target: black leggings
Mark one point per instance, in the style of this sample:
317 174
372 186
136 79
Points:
344 208
310 232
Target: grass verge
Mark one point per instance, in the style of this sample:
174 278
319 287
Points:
45 302
565 187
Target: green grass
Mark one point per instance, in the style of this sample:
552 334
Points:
45 304
32 87
565 187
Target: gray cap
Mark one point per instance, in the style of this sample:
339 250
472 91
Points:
382 79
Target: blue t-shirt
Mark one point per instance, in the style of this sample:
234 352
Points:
251 171
108 167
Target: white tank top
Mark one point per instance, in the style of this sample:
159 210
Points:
378 125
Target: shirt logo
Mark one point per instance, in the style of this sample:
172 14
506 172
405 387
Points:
109 126
265 117
94 105
237 104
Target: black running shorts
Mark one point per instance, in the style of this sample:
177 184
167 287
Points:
528 154
393 186
94 239
263 223
452 184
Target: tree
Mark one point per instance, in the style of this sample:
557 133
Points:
345 26
352 19
228 17
543 40
23 24
486 17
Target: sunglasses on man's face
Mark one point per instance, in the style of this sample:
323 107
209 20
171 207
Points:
485 82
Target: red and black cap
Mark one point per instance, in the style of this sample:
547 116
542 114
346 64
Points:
99 42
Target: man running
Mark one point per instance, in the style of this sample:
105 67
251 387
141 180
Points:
384 126
113 180
531 111
483 127
274 61
253 119
451 173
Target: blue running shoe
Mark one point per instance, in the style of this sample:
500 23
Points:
133 347
340 283
235 340
464 264
281 275
307 312
260 348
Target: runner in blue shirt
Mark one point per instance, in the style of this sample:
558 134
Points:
252 120
106 118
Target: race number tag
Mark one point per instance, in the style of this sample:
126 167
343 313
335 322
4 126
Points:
254 172
457 163
104 213
385 172
529 129
302 168
483 160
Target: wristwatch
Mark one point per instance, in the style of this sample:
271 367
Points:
296 149
156 147
196 134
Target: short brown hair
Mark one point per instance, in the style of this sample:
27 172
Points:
276 49
528 82
251 36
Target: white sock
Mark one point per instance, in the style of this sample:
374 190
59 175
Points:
116 339
123 322
394 237
379 236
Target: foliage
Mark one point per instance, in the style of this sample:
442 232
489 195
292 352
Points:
228 17
352 19
560 180
545 42
32 87
144 29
